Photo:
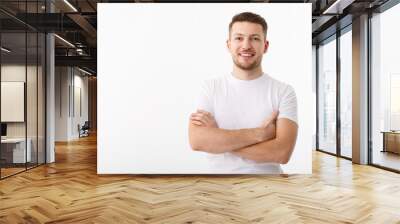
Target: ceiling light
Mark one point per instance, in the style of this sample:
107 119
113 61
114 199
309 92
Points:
5 49
70 5
64 40
84 71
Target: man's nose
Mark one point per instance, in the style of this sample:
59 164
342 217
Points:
246 44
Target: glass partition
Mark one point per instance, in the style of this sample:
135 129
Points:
22 77
34 51
32 95
13 105
327 96
346 94
41 85
385 89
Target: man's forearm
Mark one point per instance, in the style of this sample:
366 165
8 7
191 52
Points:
268 151
216 140
277 150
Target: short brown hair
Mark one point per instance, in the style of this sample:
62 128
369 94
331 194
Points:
251 18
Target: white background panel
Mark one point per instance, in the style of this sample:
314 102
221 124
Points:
151 60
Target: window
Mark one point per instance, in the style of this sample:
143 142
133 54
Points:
346 93
385 89
327 96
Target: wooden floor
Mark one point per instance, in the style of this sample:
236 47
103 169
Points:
5 172
387 159
70 191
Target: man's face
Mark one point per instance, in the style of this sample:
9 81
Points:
247 44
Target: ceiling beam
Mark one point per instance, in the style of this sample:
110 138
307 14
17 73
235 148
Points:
85 61
337 6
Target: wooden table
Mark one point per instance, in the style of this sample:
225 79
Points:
391 141
13 150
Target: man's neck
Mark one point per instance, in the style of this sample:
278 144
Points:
247 74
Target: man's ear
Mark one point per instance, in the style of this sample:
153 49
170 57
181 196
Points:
228 44
266 45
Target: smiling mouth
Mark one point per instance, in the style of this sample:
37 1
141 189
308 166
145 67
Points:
246 55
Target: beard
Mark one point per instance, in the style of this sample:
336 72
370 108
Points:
247 67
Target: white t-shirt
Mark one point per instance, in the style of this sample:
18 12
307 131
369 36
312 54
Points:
238 104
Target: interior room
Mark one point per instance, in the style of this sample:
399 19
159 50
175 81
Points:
51 126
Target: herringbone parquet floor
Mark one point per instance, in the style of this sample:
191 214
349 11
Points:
70 191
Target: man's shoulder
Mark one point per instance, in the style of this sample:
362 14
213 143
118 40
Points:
280 85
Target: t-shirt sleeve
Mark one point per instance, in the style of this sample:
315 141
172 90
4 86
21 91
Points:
205 97
288 104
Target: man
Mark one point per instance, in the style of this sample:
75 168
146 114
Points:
246 121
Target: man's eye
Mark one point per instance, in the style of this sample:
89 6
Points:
256 38
238 38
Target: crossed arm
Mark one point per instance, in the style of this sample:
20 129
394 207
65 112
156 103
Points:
273 141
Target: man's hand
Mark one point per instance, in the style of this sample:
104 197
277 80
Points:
277 150
266 131
268 127
206 136
270 120
203 118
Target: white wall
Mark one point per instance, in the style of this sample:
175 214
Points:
61 103
68 81
15 72
80 94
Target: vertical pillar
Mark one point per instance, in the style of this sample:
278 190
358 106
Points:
50 92
360 89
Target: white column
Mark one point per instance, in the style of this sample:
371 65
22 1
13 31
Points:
360 90
50 93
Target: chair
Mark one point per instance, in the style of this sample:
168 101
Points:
84 130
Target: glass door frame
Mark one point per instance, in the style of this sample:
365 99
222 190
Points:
387 5
338 34
30 29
